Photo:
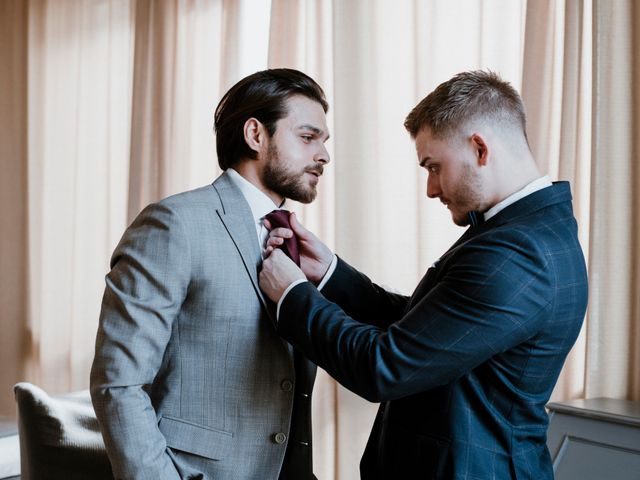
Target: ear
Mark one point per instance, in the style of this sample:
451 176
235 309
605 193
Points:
482 149
255 134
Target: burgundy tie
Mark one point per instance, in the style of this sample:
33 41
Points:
297 460
280 218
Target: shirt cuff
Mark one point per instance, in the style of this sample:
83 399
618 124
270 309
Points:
330 271
289 288
323 282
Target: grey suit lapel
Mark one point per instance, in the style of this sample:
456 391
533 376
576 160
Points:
237 218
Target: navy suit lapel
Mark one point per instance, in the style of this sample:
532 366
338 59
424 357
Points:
236 217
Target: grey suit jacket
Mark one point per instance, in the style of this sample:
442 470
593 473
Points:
190 379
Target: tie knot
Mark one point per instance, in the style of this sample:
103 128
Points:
280 218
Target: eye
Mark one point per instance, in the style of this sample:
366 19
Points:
307 138
432 168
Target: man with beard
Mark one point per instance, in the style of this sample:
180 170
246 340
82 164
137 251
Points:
465 366
190 379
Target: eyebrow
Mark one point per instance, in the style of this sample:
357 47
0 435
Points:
424 161
319 132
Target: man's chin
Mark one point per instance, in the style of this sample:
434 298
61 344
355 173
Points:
307 195
307 198
460 220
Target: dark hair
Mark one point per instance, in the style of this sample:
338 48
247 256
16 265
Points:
263 96
467 96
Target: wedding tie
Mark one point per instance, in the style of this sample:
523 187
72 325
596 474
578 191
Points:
280 218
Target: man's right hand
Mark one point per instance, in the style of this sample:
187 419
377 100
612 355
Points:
315 256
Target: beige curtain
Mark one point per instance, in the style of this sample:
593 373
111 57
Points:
13 198
107 105
580 70
79 97
613 335
557 94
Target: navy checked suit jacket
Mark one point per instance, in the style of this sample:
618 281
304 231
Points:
465 366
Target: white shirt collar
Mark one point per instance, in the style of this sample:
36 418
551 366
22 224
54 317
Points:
258 201
538 184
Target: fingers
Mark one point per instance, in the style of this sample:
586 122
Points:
281 232
272 245
279 255
277 231
275 258
274 242
277 273
296 226
286 232
277 236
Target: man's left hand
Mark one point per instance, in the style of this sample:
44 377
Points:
278 272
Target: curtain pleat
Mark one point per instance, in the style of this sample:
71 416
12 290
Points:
78 121
612 335
13 198
557 94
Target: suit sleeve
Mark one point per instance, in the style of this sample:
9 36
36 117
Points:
493 298
362 299
144 291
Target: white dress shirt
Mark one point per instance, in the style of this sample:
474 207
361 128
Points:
260 205
258 201
538 184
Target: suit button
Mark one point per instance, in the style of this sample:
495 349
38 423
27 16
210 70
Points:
279 438
286 385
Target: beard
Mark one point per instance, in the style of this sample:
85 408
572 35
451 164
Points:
465 197
286 182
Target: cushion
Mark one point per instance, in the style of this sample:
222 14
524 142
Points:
59 436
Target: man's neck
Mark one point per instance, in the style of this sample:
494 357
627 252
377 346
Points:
531 187
515 170
250 171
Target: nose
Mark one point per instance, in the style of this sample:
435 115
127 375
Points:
433 187
322 157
